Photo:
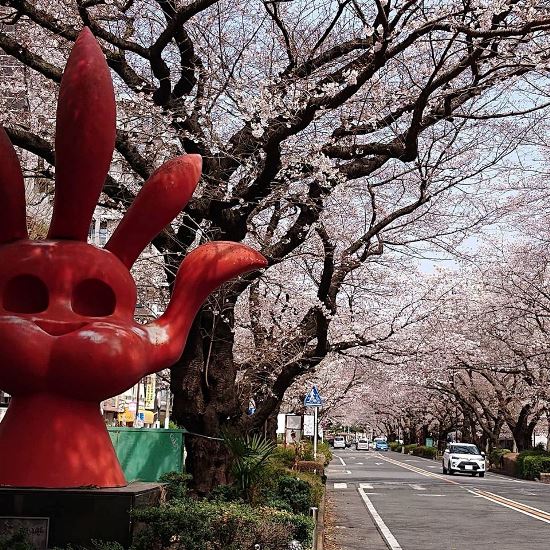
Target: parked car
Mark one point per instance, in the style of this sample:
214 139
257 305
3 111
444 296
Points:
339 442
381 445
362 445
463 457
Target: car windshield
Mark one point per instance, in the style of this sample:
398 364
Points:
338 439
464 449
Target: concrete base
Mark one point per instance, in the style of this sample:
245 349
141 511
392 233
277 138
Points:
78 515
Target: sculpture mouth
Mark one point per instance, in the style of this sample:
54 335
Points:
59 328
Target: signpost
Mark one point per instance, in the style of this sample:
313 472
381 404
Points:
313 399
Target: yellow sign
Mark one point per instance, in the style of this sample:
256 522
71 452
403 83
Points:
150 387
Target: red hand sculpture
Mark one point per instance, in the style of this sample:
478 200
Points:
68 339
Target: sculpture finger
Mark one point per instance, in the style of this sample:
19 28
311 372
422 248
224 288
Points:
13 225
159 201
84 139
202 271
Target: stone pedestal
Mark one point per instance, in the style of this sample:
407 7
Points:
78 515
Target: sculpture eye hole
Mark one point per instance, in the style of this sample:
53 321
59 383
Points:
25 294
93 298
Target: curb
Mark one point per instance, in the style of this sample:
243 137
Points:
320 529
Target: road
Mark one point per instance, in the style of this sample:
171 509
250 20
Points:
388 500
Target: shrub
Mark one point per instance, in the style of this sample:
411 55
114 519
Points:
225 493
426 452
284 456
177 484
410 447
525 471
296 492
533 466
496 455
324 448
274 492
310 466
211 525
18 541
96 545
394 445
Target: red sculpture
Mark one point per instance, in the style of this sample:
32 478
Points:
68 339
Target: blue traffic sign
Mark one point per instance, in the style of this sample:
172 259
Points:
313 399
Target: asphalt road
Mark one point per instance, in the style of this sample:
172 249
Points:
388 500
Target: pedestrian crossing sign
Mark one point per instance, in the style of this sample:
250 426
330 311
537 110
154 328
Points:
313 399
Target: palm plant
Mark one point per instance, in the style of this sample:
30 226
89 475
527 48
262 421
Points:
249 457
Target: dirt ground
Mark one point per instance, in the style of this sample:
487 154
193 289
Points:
330 535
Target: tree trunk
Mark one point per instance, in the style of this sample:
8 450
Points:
209 462
206 400
522 430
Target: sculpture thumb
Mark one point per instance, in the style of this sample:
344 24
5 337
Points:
202 272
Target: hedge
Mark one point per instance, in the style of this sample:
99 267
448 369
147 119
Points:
409 448
426 452
189 524
533 466
531 463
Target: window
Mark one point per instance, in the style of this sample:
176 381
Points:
102 232
91 231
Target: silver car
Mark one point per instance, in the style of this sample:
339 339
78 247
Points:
362 445
339 442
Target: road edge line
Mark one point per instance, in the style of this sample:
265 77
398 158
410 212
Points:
389 539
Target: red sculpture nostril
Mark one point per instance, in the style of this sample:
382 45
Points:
58 328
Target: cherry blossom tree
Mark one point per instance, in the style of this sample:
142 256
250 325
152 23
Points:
336 137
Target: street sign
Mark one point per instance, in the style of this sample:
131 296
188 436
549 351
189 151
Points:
313 399
309 424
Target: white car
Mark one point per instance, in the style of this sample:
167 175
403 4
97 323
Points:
463 457
362 445
339 442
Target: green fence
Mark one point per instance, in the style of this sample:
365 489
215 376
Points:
146 454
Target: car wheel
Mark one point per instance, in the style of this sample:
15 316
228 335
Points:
451 471
481 474
444 469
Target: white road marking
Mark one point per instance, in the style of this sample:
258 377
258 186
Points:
365 486
340 485
341 460
379 463
417 487
359 464
428 495
391 541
